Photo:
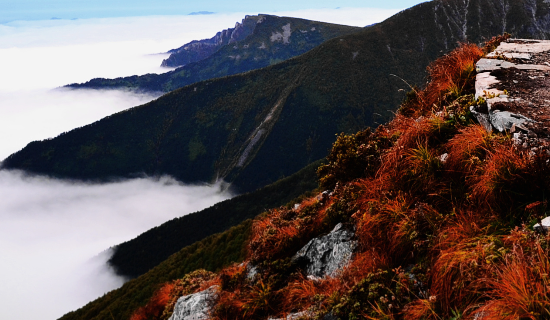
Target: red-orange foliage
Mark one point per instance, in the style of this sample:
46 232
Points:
521 287
468 148
502 176
156 305
450 76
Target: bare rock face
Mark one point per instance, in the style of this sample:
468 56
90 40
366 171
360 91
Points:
325 255
195 306
545 227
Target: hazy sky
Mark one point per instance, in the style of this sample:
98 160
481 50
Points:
69 9
53 234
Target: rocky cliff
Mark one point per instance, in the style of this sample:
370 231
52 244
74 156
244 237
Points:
201 49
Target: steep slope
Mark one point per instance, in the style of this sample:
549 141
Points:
253 128
440 213
269 39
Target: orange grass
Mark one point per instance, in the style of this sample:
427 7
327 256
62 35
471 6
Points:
465 252
521 288
156 305
450 76
468 148
502 176
420 309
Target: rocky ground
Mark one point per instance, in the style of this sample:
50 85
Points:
515 82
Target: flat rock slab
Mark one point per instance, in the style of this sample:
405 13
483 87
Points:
514 80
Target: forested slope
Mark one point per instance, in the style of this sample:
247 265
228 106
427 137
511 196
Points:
255 127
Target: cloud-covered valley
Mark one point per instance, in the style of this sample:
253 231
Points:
54 234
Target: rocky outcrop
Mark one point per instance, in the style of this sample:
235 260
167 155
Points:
514 80
325 255
201 49
195 306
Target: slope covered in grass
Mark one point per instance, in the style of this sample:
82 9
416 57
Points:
442 213
254 128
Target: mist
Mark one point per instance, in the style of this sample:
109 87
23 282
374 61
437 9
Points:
55 235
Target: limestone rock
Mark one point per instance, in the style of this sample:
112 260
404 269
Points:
325 255
251 273
194 306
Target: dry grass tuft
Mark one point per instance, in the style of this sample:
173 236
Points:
450 76
521 287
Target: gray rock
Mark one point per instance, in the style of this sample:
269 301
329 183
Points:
195 306
504 120
324 256
251 273
482 118
545 225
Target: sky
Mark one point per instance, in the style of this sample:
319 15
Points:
54 234
82 9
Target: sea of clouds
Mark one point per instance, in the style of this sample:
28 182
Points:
55 235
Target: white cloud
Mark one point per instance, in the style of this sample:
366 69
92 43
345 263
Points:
359 17
51 232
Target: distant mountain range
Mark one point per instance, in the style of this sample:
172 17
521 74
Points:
257 42
254 128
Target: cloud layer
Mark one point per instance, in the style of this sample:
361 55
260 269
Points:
52 231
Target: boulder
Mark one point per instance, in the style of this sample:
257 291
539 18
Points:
195 306
504 120
325 255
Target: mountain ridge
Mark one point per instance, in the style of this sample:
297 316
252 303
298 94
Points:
258 42
196 132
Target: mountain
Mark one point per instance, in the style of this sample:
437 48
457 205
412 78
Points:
438 226
252 129
201 49
257 42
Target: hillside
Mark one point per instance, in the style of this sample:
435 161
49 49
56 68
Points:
441 211
257 42
254 128
137 256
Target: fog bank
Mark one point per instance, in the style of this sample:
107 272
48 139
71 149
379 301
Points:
53 235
